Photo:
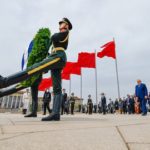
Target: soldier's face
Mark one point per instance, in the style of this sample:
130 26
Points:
63 27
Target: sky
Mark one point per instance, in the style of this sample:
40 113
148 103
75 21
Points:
95 22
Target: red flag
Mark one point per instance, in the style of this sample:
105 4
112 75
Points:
45 83
72 68
108 50
86 60
76 69
65 76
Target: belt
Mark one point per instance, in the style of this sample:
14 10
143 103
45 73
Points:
57 49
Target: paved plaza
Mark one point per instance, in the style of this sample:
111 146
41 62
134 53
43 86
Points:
78 132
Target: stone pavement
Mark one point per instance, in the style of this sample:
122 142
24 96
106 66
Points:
78 132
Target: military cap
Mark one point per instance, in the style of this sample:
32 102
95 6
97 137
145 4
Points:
66 20
89 95
72 93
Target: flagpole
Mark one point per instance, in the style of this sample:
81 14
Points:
117 78
96 77
70 86
81 85
116 64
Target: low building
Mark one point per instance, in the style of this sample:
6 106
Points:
10 102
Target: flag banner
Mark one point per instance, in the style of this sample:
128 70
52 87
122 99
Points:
45 84
76 69
72 68
25 56
108 50
65 76
86 60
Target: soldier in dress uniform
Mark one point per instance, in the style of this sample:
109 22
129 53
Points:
64 99
90 104
54 62
72 102
60 43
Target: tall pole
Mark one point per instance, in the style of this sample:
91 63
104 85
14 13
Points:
81 85
116 64
96 78
70 87
118 87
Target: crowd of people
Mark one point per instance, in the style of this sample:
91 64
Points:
67 103
138 103
131 104
126 105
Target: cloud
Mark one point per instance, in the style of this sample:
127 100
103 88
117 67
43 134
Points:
94 24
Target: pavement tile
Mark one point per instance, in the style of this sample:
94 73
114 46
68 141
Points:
95 138
136 133
139 146
77 132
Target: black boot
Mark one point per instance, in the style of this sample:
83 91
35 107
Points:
52 117
31 115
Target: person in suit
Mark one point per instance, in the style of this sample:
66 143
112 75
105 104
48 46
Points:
141 94
66 106
64 99
103 103
116 106
130 104
95 108
111 106
46 101
148 102
124 105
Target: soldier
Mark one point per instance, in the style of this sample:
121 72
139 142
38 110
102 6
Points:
72 102
60 43
90 104
64 99
54 62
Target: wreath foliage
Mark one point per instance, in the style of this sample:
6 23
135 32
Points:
41 44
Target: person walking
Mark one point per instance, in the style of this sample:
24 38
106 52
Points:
141 94
46 101
103 103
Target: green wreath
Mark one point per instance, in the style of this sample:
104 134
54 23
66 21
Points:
41 44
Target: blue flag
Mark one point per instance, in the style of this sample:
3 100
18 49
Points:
26 56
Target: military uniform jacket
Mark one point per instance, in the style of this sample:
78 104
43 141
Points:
72 100
89 102
59 41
